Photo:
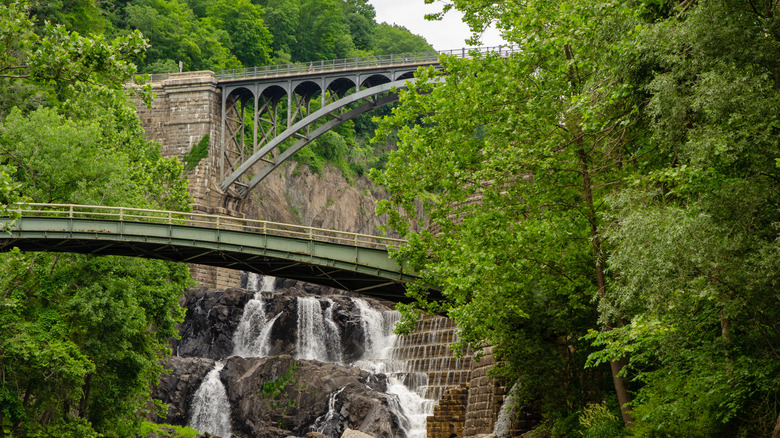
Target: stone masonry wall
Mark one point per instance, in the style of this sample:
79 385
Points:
448 416
486 395
187 107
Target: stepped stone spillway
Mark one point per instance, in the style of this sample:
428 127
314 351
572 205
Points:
426 350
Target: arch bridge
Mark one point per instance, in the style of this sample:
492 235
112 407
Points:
318 97
349 261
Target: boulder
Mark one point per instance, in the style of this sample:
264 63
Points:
349 433
177 387
211 319
281 396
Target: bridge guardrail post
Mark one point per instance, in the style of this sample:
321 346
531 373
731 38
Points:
121 214
70 212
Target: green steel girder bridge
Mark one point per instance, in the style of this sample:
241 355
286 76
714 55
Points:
353 262
345 88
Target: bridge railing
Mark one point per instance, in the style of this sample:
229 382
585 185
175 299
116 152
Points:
354 63
202 220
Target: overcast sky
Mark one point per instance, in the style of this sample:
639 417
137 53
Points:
450 33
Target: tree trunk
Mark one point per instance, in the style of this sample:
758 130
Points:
616 366
776 431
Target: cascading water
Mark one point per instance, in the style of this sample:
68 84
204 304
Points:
327 423
253 333
379 341
210 407
318 336
504 421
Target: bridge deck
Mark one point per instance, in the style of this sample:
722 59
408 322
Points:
353 262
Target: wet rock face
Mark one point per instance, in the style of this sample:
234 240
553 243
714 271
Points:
282 396
278 397
213 316
177 388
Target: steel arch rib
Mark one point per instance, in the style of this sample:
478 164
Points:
328 110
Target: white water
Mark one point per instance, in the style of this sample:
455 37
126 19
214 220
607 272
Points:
210 406
318 339
504 421
253 333
325 423
318 336
379 341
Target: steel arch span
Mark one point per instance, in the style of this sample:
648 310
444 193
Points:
371 98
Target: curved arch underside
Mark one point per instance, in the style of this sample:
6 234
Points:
370 99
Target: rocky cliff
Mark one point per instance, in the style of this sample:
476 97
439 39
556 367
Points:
279 396
293 194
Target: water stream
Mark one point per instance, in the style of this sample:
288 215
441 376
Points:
210 406
253 333
319 339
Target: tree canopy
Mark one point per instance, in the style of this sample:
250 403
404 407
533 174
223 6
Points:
606 195
80 336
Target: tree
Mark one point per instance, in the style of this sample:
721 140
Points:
82 336
250 40
175 34
695 254
512 158
390 39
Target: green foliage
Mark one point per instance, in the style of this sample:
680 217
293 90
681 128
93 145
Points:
82 336
391 39
248 38
166 430
627 156
273 389
197 153
598 422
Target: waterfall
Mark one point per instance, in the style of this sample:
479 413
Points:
327 423
318 337
407 388
210 406
504 422
252 336
377 329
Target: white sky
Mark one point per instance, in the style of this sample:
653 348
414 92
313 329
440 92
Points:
450 33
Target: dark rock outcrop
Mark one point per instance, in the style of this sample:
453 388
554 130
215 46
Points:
296 395
177 387
277 397
213 315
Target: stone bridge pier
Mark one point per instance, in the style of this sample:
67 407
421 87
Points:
186 109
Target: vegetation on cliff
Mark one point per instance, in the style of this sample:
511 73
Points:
605 202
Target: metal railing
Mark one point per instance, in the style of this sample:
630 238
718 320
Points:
201 220
355 63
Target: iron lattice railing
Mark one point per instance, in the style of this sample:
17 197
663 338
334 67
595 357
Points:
201 220
355 63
